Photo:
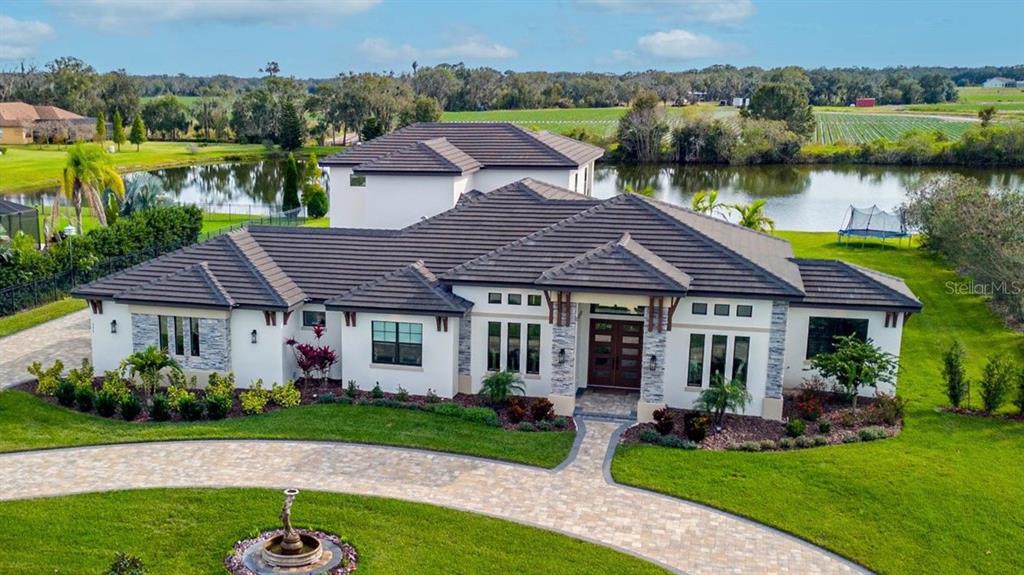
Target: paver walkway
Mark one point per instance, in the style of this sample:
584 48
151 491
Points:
576 499
65 338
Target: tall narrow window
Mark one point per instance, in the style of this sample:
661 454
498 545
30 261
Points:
193 332
513 346
718 345
164 339
533 348
385 342
493 346
740 357
179 336
695 372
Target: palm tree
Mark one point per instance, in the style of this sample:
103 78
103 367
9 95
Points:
86 172
706 202
752 216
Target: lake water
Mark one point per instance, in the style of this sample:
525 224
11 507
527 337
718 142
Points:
810 198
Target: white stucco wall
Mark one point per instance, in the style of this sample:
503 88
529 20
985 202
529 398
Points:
439 371
108 349
797 367
263 359
489 179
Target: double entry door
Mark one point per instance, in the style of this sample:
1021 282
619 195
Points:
616 353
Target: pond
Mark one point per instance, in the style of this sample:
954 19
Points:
809 198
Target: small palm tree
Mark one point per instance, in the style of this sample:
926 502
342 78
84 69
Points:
723 396
500 385
147 365
87 171
752 216
706 202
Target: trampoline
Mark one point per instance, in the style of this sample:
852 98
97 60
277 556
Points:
873 222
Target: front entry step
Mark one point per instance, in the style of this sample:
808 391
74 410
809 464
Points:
610 417
606 405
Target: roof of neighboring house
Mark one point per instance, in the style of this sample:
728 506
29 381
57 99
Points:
412 289
833 283
20 113
488 144
525 234
9 207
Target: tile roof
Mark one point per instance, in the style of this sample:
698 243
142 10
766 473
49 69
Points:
617 265
412 289
196 280
833 283
491 144
437 155
22 112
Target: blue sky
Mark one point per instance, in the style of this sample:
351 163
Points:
320 38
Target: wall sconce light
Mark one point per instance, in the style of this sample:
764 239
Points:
252 336
561 355
113 326
654 362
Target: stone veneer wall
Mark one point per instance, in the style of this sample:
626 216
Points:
465 344
214 341
777 349
652 378
563 373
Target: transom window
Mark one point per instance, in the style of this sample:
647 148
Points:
357 181
397 343
744 311
699 308
515 299
533 300
493 297
823 331
721 309
311 318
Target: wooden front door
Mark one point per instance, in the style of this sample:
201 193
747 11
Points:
616 353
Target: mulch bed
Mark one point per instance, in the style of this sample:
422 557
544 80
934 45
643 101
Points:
982 413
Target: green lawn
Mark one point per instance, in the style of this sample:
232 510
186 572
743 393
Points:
190 531
32 167
32 317
30 423
947 496
602 121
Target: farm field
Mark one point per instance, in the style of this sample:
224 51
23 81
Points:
859 128
599 120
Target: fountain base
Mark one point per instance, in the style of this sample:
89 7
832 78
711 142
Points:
321 553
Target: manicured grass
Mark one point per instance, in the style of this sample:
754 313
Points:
32 317
602 121
191 531
33 167
947 496
27 422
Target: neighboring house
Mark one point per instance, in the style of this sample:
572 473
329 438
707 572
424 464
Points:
22 123
569 291
423 169
999 82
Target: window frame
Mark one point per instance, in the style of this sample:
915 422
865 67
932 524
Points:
494 297
321 314
163 334
533 348
518 299
356 181
179 335
703 361
725 306
394 329
745 367
828 345
698 305
513 346
744 310
534 297
716 340
193 336
494 352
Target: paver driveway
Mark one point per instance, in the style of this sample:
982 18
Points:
576 499
65 338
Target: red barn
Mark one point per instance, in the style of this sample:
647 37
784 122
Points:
865 102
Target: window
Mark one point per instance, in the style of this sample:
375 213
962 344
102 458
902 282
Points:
615 309
744 311
533 347
164 340
822 333
357 181
193 333
493 346
740 357
695 373
397 343
533 300
721 309
699 308
311 318
494 297
515 331
718 345
515 299
179 336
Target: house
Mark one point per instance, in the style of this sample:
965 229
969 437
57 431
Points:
999 82
423 169
22 123
567 290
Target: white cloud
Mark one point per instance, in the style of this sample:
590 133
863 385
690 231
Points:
711 11
19 38
681 45
123 14
468 47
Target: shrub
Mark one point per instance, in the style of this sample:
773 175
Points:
178 393
723 396
560 422
161 408
544 425
820 440
516 412
872 433
344 400
352 390
525 426
147 364
432 397
810 401
664 421
83 375
955 374
675 442
125 564
482 415
220 395
824 426
696 426
314 359
995 383
115 385
795 427
851 438
768 445
48 379
106 403
542 409
316 204
500 385
787 443
804 442
131 407
649 436
325 398
855 364
749 446
65 393
1019 401
191 408
889 409
402 394
377 392
85 398
285 395
254 400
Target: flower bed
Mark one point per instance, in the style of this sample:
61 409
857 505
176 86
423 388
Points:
235 563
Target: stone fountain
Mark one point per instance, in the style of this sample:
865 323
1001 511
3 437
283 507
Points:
291 551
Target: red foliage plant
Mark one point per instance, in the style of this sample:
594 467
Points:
314 359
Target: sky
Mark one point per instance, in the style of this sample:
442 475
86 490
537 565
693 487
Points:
322 38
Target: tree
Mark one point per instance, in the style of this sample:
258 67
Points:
86 173
986 115
147 365
119 92
752 216
722 396
937 88
784 102
704 142
855 364
706 202
642 130
290 201
422 109
293 128
138 133
314 197
72 84
1019 401
995 383
954 373
101 128
118 134
166 115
